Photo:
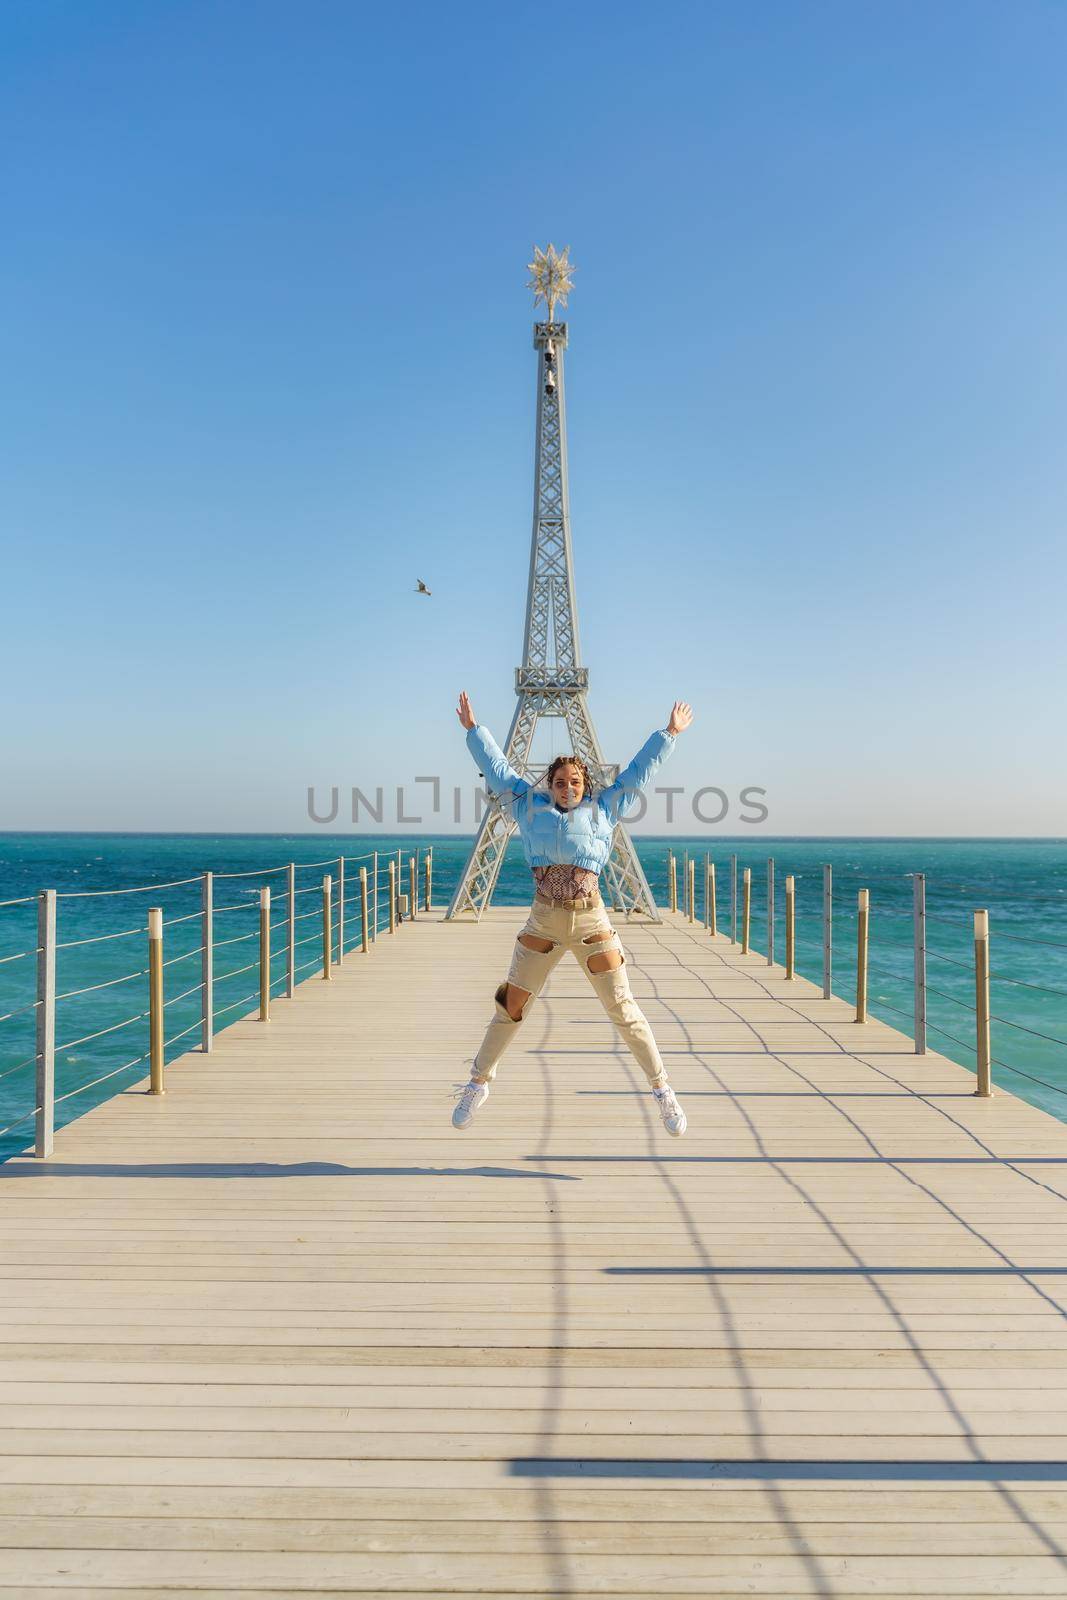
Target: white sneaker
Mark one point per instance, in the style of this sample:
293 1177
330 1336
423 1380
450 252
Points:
471 1096
669 1109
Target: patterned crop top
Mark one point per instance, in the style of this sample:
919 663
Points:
564 882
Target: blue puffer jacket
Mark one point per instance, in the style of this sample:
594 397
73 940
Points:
580 837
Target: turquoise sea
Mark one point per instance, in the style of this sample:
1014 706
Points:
102 1024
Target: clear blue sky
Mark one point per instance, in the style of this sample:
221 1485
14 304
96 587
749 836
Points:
266 340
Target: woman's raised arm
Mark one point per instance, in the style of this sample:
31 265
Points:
500 776
620 798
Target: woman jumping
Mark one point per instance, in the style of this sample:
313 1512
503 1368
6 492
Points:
567 834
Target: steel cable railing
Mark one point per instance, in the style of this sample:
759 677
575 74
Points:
220 977
18 1012
892 981
1022 938
1002 977
944 995
252 995
192 1028
24 1118
127 1022
349 910
104 1077
20 955
238 938
1057 1088
139 888
109 983
951 960
253 872
186 955
1036 1032
101 938
190 916
175 998
18 1067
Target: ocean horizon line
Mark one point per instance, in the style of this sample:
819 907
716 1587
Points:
282 833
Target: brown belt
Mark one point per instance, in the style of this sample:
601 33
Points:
582 903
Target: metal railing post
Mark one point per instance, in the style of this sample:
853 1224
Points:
981 1003
685 883
827 930
672 881
327 932
770 911
290 930
429 877
713 914
155 999
790 926
45 1077
207 961
413 886
264 955
918 899
392 895
340 909
364 930
746 909
733 899
863 912
692 889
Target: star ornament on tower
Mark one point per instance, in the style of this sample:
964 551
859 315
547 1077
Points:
551 277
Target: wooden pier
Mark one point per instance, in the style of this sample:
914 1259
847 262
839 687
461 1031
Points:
283 1331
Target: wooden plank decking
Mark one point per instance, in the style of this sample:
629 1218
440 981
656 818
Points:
285 1331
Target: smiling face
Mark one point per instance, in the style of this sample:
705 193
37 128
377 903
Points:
568 785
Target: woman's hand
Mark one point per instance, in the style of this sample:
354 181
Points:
681 716
463 710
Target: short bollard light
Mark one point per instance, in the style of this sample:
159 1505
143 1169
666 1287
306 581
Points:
264 955
790 926
155 1000
981 1004
863 912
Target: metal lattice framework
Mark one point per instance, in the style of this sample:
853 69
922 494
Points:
551 682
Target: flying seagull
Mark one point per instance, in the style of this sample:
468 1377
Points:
422 589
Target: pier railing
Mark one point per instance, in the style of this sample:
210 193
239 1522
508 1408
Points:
299 929
957 941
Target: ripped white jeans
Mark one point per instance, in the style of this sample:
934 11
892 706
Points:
584 933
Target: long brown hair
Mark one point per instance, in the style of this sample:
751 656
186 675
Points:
571 761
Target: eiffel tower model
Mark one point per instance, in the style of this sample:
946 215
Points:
551 681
